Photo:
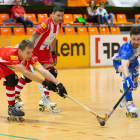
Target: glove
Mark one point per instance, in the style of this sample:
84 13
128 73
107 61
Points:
135 85
129 82
54 56
49 85
61 90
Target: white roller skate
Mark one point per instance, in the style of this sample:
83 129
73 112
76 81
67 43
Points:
42 104
123 101
132 110
15 114
19 102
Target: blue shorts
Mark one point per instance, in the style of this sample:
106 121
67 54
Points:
133 67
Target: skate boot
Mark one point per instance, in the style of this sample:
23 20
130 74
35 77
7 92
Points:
132 110
42 104
123 101
19 101
15 114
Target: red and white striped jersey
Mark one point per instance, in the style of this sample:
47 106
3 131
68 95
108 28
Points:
48 32
9 56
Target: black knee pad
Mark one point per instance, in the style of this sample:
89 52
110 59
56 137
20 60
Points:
11 80
26 79
53 71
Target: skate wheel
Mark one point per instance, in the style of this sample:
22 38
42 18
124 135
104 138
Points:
16 119
42 109
131 115
127 114
121 90
135 115
22 119
8 119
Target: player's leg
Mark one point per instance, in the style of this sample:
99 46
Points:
133 73
48 64
10 83
21 83
119 69
53 71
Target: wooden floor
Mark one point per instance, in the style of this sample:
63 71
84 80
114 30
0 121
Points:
98 89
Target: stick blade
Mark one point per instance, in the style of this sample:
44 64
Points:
99 118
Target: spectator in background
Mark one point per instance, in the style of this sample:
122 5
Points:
19 14
100 10
48 2
92 15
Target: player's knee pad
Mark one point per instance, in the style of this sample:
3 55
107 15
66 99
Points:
53 71
11 80
26 79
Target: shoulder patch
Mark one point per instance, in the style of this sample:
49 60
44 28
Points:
43 25
14 58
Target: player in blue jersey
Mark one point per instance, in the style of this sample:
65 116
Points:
126 62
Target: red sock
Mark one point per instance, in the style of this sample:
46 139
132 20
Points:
46 92
10 92
20 85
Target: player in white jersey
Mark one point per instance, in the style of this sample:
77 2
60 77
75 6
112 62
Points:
44 39
126 62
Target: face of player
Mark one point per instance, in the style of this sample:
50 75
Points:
26 54
135 40
57 17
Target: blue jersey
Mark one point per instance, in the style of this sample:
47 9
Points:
127 52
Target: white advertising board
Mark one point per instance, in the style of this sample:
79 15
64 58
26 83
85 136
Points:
104 47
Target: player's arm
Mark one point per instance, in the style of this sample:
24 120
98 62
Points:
125 65
34 36
41 28
50 77
126 54
124 68
49 85
21 68
46 74
53 51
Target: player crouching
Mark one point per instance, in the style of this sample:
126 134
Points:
14 60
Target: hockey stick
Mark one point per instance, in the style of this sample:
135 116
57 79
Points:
44 97
113 109
99 118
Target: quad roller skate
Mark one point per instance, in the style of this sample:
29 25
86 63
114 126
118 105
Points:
131 110
42 104
15 114
19 101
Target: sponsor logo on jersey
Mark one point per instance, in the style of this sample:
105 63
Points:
43 25
34 60
14 58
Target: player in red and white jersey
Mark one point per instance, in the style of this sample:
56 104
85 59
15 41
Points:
44 39
14 60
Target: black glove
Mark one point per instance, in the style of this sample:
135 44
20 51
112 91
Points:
49 85
61 90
